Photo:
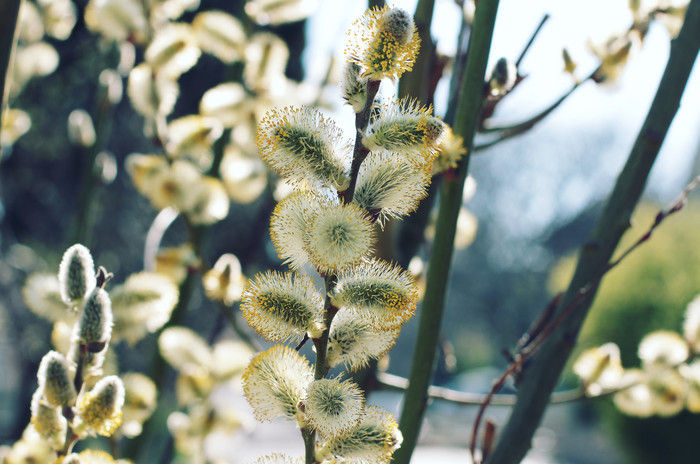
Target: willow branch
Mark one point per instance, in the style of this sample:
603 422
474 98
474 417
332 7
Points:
531 41
154 236
543 370
416 84
397 383
507 132
466 122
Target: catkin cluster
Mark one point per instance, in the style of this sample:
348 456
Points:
342 190
73 398
668 380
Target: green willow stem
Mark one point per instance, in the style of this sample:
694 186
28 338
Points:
543 371
416 84
9 11
466 122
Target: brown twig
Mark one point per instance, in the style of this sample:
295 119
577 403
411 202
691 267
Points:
531 348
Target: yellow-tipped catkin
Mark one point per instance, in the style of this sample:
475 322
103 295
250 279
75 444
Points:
173 50
668 391
182 347
662 348
48 420
635 400
374 440
220 34
266 57
288 226
404 127
600 369
225 281
385 294
76 274
354 340
95 325
450 150
275 381
333 407
390 187
338 237
191 137
301 142
226 102
142 305
101 408
150 93
55 380
283 306
384 42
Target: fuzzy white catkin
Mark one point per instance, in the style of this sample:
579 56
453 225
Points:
76 274
95 324
55 380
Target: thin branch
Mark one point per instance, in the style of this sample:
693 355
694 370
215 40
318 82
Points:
397 383
492 101
160 224
531 41
507 132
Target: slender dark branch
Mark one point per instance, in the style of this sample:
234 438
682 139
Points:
507 132
302 342
530 42
360 152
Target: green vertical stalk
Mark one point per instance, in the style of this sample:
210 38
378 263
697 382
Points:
543 371
416 84
9 11
466 122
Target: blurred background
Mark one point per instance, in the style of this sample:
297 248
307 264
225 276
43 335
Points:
536 198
